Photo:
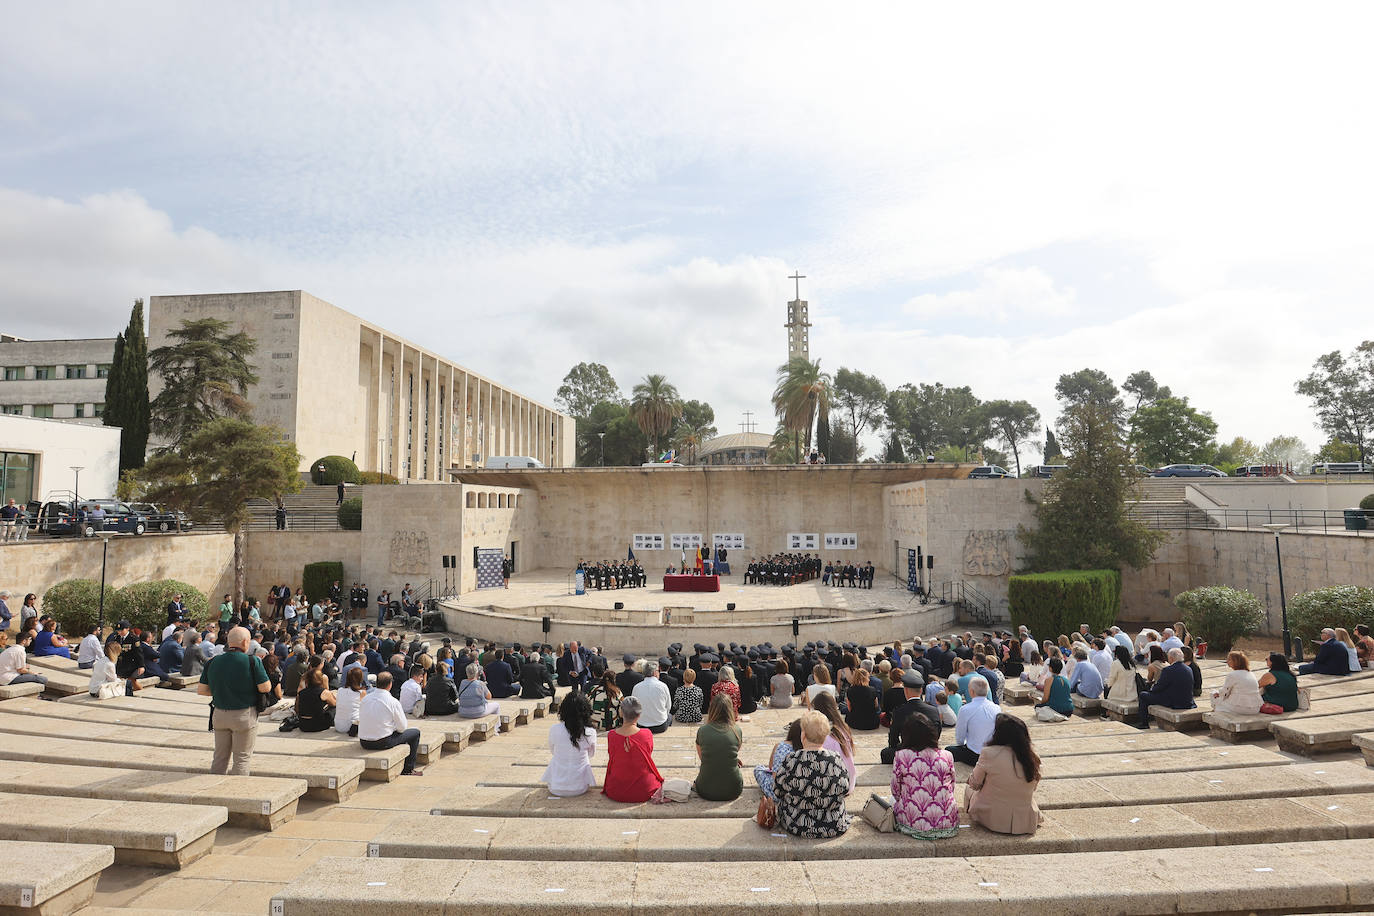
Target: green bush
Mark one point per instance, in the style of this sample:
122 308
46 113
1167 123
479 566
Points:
1220 614
144 604
337 469
1054 603
317 577
351 514
1333 606
1367 503
76 605
375 477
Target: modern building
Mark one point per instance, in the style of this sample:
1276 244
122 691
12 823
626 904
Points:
55 379
339 385
42 458
734 448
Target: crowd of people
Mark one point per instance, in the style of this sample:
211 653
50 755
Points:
610 574
782 569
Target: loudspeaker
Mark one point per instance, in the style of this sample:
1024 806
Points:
620 605
930 562
730 606
796 627
547 624
474 558
445 558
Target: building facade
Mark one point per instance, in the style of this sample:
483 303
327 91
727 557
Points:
55 379
41 459
339 385
734 449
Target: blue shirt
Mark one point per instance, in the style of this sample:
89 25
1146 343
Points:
1086 680
973 729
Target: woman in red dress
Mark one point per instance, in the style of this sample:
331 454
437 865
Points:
631 775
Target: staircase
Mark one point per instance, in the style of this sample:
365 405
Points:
312 509
1164 505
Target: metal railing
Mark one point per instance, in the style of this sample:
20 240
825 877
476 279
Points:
967 598
1310 521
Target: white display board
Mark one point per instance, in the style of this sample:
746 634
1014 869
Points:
728 541
803 540
688 541
647 541
849 541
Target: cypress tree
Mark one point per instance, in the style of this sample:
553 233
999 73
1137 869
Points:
126 391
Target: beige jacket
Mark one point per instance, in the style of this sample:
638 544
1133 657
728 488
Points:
998 796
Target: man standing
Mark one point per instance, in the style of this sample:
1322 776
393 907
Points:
9 515
653 696
382 724
233 679
281 513
176 611
340 491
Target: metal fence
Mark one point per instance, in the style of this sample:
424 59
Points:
1311 521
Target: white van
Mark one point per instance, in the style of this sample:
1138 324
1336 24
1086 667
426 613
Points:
513 461
1341 467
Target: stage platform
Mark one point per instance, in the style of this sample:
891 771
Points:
652 618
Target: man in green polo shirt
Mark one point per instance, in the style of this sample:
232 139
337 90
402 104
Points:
231 679
226 611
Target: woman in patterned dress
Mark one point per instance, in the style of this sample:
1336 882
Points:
923 783
727 686
812 784
605 699
687 702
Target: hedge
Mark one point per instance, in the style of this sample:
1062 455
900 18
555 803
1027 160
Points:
1367 504
144 604
1055 603
375 477
1220 614
317 577
337 469
76 604
351 514
1333 606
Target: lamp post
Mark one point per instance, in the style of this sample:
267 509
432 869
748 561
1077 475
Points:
602 437
76 485
104 558
1276 527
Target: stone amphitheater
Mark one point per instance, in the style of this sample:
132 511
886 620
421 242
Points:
108 811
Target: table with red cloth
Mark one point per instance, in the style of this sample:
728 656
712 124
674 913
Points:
691 583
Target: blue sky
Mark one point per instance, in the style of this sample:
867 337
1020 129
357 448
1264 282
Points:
987 196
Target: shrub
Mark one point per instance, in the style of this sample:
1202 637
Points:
1367 504
144 604
375 477
76 604
337 469
1333 606
351 514
1220 614
1051 603
317 577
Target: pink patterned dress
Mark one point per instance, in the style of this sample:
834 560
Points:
923 794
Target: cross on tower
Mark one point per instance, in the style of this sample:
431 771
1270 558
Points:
748 425
798 277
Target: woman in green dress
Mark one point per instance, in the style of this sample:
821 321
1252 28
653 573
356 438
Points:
718 744
1056 701
1278 686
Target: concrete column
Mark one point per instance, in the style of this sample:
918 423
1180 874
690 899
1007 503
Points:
466 446
432 466
399 453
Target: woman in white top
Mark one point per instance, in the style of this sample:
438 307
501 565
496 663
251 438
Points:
105 680
1121 678
1343 637
346 701
1240 692
572 742
1033 671
821 673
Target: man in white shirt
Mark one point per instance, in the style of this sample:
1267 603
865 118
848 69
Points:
413 692
90 650
1028 645
382 724
1101 657
1171 641
653 697
973 729
1123 640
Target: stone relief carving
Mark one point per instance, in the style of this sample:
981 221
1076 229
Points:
409 552
987 553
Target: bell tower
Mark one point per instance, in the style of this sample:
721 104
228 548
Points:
798 324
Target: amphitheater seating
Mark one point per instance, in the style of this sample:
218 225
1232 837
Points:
14 691
1321 734
49 879
1087 706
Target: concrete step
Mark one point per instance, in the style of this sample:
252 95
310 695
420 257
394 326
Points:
1322 734
1233 727
50 878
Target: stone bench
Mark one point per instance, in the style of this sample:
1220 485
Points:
1086 706
50 879
257 802
1305 876
142 833
15 691
1121 710
1322 733
1365 742
181 681
1233 727
70 682
139 729
1020 692
329 778
1178 719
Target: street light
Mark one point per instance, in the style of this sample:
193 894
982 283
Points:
76 486
1276 527
602 437
104 557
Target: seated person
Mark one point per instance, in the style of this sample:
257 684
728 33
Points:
48 642
1174 689
727 685
974 725
821 674
14 667
1278 685
105 676
718 743
1086 680
923 802
347 700
500 677
1121 680
1240 692
780 687
763 775
1001 789
913 686
382 724
631 775
1055 701
841 740
687 702
1332 657
605 698
474 699
535 681
90 649
654 699
413 690
811 784
1193 667
863 703
441 693
572 741
315 703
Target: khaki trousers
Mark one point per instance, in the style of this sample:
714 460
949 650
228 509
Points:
235 732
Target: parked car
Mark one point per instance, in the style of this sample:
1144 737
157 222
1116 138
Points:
162 520
57 518
1045 470
1188 470
1341 467
988 472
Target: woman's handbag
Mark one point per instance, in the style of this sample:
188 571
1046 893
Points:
672 790
879 814
1271 709
767 815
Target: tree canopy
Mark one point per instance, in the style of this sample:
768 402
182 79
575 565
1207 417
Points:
585 386
1341 390
1012 422
656 406
126 391
1090 386
802 394
205 374
862 400
1170 431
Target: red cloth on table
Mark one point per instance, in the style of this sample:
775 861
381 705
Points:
690 583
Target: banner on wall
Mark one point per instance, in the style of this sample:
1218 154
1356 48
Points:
728 541
803 540
489 567
686 541
910 570
647 541
848 541
580 582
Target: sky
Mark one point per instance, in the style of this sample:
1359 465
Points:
987 195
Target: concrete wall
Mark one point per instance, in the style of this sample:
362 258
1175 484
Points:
60 446
203 560
1262 493
275 557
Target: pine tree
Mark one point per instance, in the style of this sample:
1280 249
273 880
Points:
126 391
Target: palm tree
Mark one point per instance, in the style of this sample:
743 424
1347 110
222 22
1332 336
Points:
655 406
803 391
691 437
783 448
